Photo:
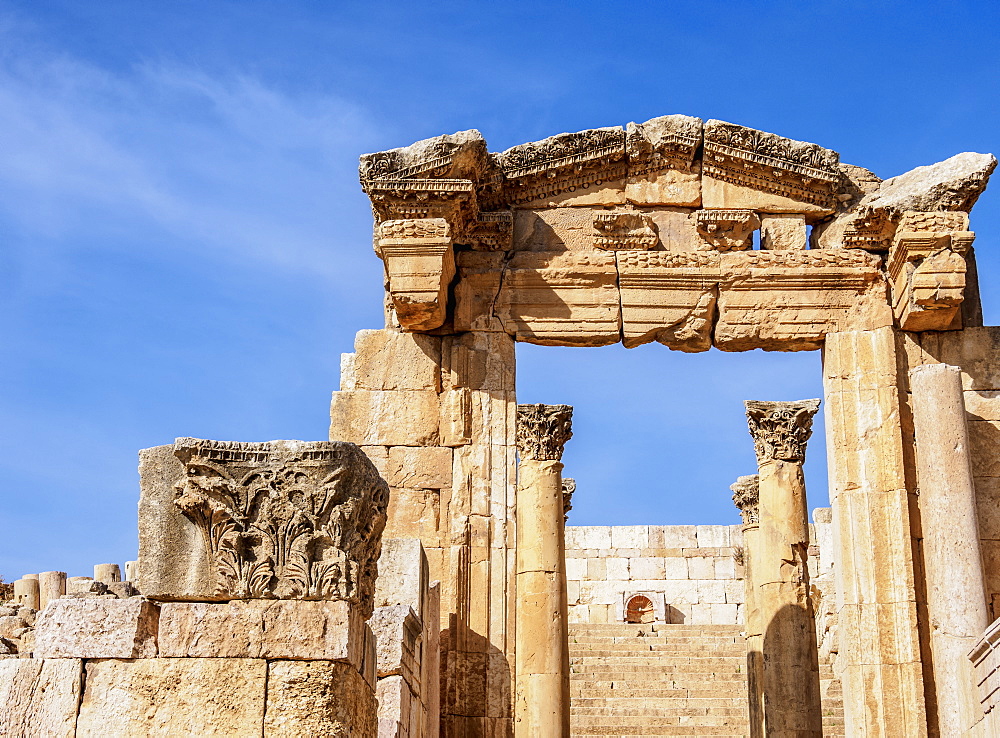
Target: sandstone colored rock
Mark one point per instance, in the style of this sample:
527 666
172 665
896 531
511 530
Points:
661 161
170 697
318 698
420 264
377 418
39 698
419 467
263 629
397 630
97 628
392 360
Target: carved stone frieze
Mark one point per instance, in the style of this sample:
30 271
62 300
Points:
780 430
769 163
927 269
621 230
746 494
727 230
568 488
564 163
285 519
667 142
542 431
420 264
491 231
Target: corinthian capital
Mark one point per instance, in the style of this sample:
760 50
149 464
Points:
542 430
568 488
780 429
745 495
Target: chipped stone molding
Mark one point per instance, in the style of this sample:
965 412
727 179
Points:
667 142
491 231
623 230
285 519
727 230
746 493
770 163
420 264
542 431
568 488
927 269
780 430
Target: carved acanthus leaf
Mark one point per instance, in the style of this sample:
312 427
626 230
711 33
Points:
746 494
542 431
285 519
780 430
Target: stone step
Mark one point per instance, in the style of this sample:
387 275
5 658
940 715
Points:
678 711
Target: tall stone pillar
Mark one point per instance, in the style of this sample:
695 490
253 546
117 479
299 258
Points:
956 597
790 671
872 494
745 495
541 661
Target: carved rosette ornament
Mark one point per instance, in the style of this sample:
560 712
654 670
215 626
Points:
542 431
286 519
746 494
780 430
568 488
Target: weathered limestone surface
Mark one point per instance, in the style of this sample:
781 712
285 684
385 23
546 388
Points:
872 495
263 629
286 519
956 601
170 697
39 698
97 629
661 161
51 586
318 698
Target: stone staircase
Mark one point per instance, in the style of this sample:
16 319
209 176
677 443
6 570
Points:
668 680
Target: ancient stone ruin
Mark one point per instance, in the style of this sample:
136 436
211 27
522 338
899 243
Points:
415 577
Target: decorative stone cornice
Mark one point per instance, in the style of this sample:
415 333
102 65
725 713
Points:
624 230
542 431
285 519
746 495
568 488
727 230
780 430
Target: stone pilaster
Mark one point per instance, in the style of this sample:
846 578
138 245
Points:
790 667
541 705
746 495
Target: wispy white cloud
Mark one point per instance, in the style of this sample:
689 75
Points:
175 154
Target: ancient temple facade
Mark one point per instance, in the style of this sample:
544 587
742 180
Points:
693 234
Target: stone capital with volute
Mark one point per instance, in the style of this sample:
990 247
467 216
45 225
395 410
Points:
542 431
780 430
745 496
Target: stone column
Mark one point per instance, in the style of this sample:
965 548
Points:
107 573
790 669
956 597
541 662
51 586
745 495
26 593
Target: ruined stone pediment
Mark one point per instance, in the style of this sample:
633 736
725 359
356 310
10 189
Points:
560 223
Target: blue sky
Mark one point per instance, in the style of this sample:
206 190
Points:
184 249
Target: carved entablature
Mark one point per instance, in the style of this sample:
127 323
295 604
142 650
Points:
542 431
726 230
406 199
622 230
667 142
927 269
780 430
746 494
568 488
770 163
872 230
565 163
285 519
491 231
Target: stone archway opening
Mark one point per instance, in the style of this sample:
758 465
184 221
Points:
639 610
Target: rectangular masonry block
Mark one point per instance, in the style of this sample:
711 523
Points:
173 697
385 418
95 628
318 698
39 698
427 467
263 629
588 536
392 360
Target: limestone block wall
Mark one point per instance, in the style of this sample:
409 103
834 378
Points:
985 659
692 573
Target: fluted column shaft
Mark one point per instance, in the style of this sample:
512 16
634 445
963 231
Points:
541 660
790 662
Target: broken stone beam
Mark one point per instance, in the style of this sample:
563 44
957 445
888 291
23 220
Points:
541 706
956 595
789 692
